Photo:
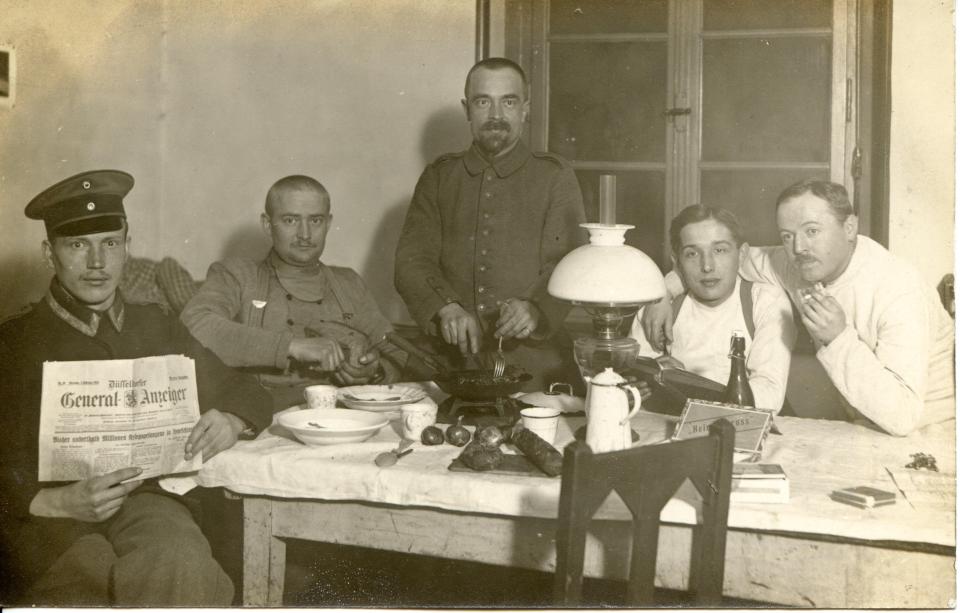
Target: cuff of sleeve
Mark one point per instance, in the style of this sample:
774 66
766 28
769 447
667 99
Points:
443 290
281 358
831 353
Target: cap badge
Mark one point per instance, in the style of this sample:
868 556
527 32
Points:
91 206
86 185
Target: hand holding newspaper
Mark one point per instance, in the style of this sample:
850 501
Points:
103 415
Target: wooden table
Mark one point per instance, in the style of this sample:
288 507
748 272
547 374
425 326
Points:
811 552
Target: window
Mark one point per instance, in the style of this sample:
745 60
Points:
724 102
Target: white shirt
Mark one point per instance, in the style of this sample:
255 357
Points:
701 340
893 364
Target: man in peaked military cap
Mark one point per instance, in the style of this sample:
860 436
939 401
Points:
109 539
484 230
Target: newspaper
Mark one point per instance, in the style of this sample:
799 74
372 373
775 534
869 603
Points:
103 415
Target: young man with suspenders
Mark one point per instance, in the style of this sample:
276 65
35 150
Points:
707 247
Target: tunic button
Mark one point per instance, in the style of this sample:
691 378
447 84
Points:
483 252
289 322
486 215
488 195
481 289
483 268
481 307
485 232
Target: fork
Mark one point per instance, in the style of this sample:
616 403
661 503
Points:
499 362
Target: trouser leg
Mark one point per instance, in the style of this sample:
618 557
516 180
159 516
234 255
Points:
163 559
78 578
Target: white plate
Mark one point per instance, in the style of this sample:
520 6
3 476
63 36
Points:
379 398
333 426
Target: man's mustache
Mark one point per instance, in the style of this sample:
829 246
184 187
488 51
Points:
496 124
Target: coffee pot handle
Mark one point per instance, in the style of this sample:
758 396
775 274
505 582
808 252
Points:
635 394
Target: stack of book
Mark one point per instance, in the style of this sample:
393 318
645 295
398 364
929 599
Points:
766 483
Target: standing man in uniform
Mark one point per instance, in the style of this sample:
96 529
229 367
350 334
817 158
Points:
110 539
485 229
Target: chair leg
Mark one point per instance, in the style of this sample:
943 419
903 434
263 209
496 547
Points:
568 580
572 519
643 558
712 535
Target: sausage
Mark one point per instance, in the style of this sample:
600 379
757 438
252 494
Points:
543 455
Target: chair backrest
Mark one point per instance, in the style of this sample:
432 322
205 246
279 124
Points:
646 478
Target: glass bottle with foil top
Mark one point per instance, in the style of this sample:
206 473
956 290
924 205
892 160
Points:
738 385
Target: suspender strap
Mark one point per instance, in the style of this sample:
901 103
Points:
746 305
677 303
338 293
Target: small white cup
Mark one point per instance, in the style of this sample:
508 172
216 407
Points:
542 421
320 396
415 417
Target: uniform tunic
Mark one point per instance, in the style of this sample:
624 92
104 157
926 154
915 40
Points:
478 232
60 329
245 315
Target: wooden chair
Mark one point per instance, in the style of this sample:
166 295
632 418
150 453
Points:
646 478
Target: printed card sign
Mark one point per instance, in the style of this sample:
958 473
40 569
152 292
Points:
102 415
751 425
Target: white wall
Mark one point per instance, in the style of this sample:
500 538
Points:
86 98
922 136
207 104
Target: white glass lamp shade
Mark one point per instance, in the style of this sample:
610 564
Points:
606 272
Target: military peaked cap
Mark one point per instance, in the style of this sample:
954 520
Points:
86 203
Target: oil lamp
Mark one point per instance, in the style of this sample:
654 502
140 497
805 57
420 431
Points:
611 281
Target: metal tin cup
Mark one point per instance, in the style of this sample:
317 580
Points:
542 421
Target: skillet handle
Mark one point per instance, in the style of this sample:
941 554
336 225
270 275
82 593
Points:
401 343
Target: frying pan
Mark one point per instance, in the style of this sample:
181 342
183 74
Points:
480 384
472 384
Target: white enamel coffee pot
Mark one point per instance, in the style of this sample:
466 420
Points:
609 412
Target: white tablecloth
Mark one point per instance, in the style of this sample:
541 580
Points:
818 456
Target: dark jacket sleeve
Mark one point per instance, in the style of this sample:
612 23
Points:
417 273
19 419
561 229
220 387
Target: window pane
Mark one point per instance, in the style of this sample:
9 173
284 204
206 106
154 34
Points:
640 202
607 101
765 14
762 103
752 196
607 16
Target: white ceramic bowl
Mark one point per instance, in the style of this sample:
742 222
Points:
379 398
332 426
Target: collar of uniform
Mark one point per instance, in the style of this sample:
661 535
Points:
285 270
80 317
505 166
